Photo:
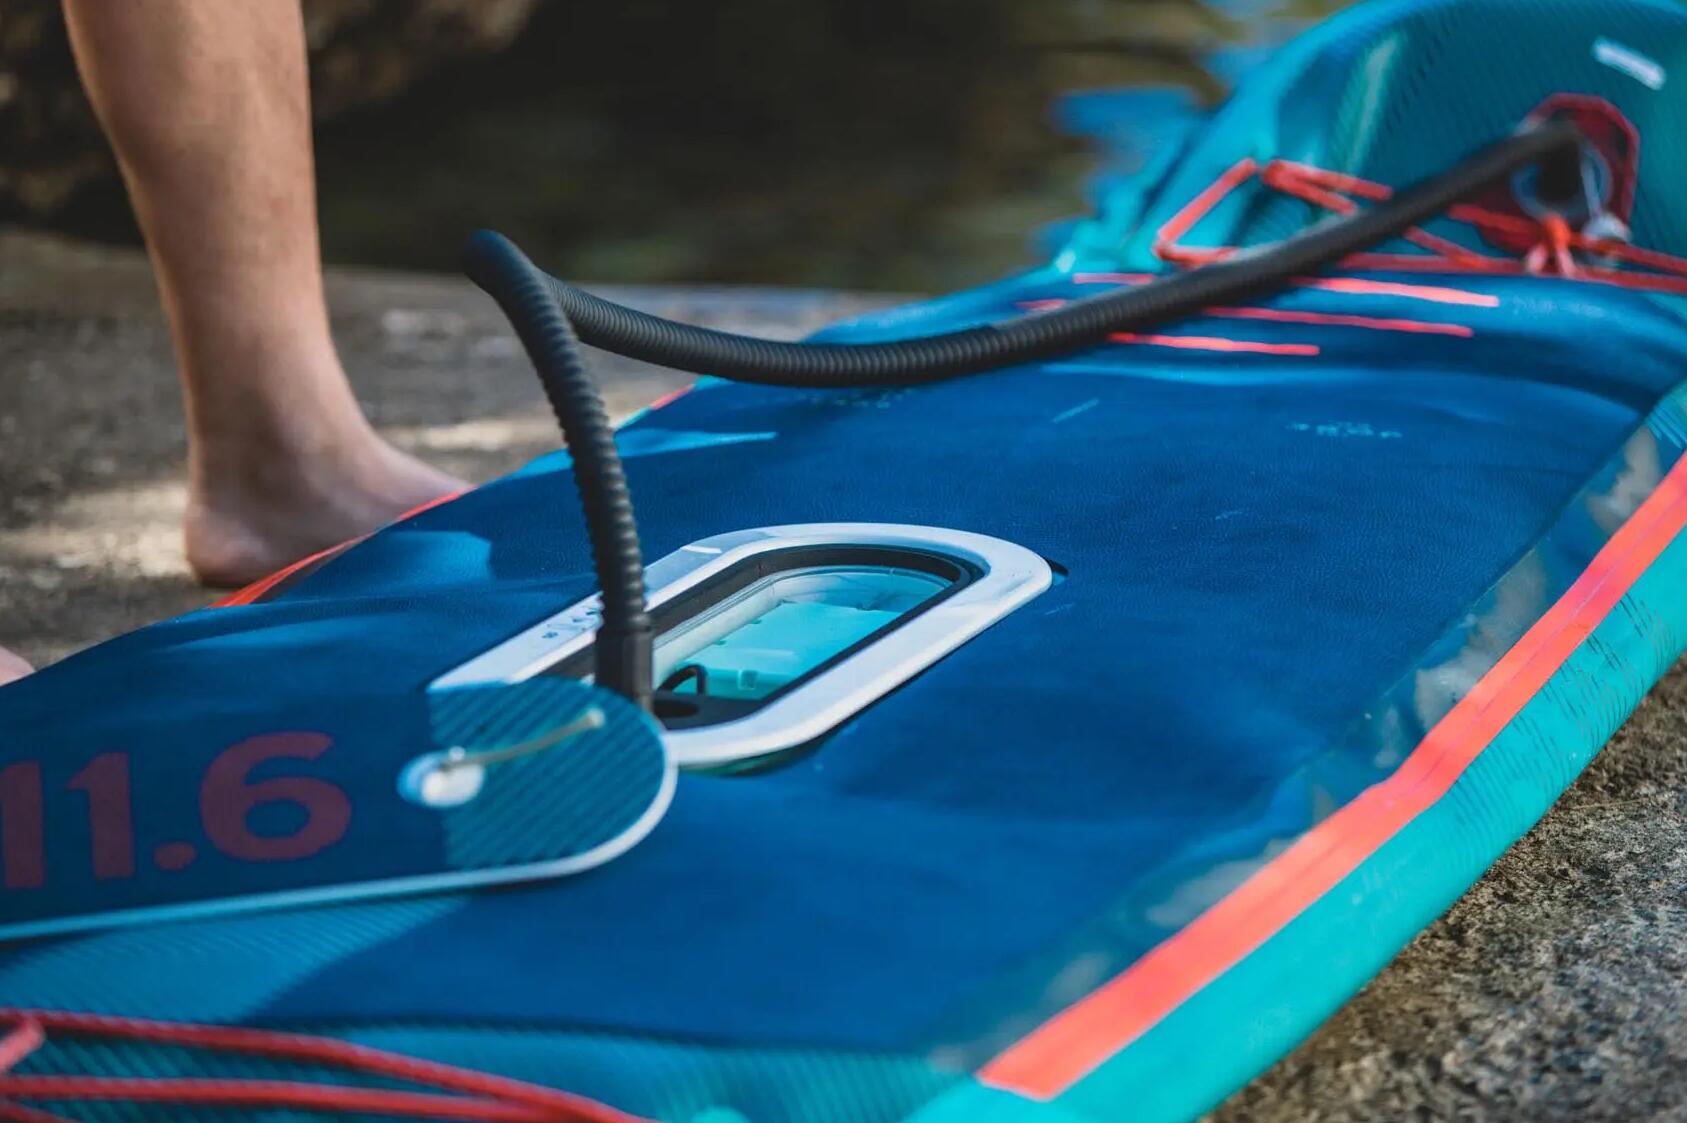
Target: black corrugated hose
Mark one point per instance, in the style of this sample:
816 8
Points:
624 640
548 312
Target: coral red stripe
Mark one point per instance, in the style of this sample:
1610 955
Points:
670 397
24 1039
1214 343
1353 286
1405 263
1073 1043
1165 241
1338 181
262 585
1333 319
1359 287
1294 316
255 591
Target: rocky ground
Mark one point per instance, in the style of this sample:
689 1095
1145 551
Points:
91 439
1553 991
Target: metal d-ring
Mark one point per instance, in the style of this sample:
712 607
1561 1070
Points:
455 776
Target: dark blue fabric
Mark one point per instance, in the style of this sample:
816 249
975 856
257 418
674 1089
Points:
228 708
1258 547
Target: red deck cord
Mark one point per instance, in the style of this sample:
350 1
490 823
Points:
473 1096
1556 243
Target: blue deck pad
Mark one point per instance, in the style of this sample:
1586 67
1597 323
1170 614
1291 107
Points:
1253 560
1258 549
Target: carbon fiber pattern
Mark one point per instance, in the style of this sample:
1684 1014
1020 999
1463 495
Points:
680 1082
250 958
558 801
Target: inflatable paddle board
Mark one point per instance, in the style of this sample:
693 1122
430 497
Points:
1059 744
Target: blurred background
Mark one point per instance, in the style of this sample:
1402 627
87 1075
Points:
914 145
765 166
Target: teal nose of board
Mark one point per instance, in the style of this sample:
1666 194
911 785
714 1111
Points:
1396 86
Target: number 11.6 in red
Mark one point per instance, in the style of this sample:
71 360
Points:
227 796
105 783
23 830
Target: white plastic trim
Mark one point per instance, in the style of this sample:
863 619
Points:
1010 575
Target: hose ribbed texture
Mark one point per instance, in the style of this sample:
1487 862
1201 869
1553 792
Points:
624 640
1077 325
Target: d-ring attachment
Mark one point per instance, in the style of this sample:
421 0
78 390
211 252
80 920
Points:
455 776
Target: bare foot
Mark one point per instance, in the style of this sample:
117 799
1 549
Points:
273 506
12 667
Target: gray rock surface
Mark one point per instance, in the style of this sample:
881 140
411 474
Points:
1555 990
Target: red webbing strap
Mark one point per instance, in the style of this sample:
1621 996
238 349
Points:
1334 191
471 1095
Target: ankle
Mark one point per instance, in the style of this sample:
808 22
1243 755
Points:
264 390
276 456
